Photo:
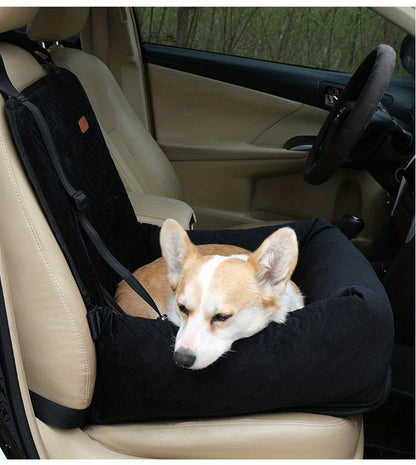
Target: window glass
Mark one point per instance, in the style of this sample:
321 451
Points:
328 38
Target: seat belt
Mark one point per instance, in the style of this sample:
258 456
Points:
78 198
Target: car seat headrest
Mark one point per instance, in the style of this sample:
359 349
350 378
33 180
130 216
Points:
52 24
15 17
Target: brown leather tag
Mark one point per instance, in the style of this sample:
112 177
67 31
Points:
83 124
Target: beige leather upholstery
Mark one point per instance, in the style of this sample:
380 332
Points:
154 209
17 354
13 18
57 23
266 436
57 350
58 353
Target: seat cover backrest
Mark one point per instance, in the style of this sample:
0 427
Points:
58 352
141 163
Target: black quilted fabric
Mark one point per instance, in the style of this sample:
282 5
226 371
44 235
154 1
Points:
331 356
88 166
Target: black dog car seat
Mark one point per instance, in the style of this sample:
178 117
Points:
330 357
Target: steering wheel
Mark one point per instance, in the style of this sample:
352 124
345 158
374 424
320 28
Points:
350 115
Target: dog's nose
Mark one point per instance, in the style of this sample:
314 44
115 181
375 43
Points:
184 358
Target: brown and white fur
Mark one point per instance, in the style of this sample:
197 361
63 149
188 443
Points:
216 293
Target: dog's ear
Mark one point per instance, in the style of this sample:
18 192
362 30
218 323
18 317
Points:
177 248
275 260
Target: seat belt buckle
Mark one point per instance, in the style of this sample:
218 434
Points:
79 200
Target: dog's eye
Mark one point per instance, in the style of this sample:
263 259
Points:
183 309
220 317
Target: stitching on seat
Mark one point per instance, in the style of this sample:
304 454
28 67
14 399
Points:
337 423
55 282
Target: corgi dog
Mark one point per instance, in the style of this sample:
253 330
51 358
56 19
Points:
216 293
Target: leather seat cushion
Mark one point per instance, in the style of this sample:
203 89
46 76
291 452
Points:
265 436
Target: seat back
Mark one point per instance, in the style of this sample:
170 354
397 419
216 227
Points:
58 352
141 163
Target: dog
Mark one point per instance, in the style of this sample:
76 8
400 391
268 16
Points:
215 293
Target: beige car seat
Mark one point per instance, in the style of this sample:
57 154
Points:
54 352
146 172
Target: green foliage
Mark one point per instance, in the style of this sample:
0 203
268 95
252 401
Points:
328 38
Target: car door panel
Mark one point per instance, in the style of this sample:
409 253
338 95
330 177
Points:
296 83
187 106
227 145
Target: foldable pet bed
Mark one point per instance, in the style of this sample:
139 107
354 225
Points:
330 357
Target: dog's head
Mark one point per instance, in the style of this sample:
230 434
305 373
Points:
219 299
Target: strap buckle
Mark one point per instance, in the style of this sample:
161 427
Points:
79 200
94 322
163 317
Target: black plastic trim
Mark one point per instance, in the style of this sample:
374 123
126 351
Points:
57 415
11 380
298 83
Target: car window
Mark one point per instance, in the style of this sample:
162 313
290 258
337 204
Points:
327 38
